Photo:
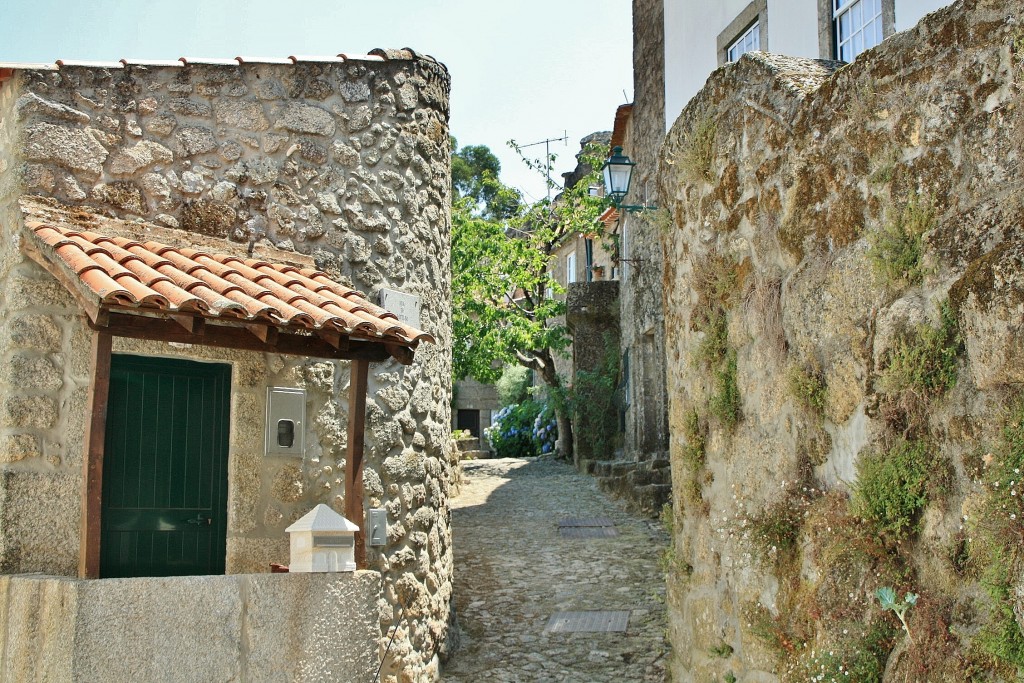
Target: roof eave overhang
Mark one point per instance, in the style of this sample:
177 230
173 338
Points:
191 328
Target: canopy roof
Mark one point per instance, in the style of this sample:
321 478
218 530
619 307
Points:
143 288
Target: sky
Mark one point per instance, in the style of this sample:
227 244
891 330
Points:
525 70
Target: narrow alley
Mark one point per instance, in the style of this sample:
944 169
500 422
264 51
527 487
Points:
554 580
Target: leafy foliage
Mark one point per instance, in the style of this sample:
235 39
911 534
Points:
725 402
523 430
887 599
475 171
998 542
895 249
861 659
925 361
506 307
593 400
892 487
514 385
808 388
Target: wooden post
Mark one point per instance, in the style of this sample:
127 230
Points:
354 456
92 465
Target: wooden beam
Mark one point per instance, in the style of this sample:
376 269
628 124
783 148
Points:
354 510
332 337
85 297
265 333
403 354
193 324
92 465
224 336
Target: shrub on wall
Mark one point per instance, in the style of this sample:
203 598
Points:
892 487
996 546
925 361
594 398
895 250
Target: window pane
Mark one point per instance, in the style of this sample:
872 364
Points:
750 40
878 31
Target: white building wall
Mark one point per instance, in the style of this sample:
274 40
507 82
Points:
692 28
909 12
793 28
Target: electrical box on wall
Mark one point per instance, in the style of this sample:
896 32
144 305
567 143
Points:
378 523
286 413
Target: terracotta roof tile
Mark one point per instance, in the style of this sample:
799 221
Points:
154 276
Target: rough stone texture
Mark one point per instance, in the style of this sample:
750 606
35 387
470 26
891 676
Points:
592 314
806 159
643 324
515 570
286 162
294 627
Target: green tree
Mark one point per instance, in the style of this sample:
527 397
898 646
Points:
503 308
475 172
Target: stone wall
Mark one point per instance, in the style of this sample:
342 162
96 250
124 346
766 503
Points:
843 286
592 315
643 324
344 164
279 627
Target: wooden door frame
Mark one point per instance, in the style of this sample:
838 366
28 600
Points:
92 465
95 436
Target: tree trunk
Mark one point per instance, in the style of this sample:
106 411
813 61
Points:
562 416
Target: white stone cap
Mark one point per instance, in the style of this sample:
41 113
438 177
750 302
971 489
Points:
322 518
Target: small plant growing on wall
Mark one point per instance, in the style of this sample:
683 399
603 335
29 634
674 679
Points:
693 458
887 599
698 151
895 249
925 360
807 387
725 401
997 544
892 488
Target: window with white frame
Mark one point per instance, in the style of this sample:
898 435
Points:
549 292
570 268
749 41
858 26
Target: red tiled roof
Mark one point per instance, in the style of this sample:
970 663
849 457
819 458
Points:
622 116
609 217
123 273
376 55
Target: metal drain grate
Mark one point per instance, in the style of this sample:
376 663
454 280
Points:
588 521
587 532
588 622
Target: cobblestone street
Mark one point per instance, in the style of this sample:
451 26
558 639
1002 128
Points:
515 569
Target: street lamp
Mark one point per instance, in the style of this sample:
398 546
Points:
618 172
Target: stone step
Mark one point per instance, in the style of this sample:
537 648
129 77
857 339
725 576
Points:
652 498
644 477
472 444
476 455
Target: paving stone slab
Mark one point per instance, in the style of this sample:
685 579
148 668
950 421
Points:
587 532
588 622
586 521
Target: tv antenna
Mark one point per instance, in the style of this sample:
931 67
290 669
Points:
547 154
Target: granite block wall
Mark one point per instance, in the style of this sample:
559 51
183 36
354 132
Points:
342 164
843 293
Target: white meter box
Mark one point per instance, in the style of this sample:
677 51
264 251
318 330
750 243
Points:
286 414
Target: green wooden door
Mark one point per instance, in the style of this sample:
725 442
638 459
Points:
164 509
